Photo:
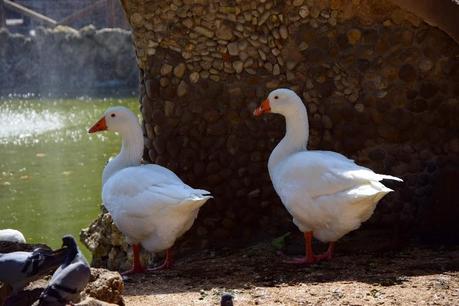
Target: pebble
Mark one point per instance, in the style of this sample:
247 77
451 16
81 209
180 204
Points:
276 69
194 77
179 70
283 32
238 66
354 36
182 89
298 2
166 69
233 48
204 31
304 12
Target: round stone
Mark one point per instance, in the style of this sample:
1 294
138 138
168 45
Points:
166 69
233 48
179 70
182 89
359 107
298 2
283 32
425 65
224 33
304 12
136 20
354 36
194 77
276 70
238 66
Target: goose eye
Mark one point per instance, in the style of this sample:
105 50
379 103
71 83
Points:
113 115
276 97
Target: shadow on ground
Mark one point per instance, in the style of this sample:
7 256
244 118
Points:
259 266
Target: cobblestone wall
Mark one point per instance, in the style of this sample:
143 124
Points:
66 62
380 85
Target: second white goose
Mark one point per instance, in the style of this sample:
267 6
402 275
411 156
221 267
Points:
327 194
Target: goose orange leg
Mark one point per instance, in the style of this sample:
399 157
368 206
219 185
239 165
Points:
137 265
309 257
168 262
329 253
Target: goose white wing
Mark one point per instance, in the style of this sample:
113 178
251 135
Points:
319 173
146 188
143 199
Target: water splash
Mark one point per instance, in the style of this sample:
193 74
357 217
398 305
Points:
21 124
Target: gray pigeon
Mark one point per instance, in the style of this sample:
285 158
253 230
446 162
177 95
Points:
226 300
69 279
18 269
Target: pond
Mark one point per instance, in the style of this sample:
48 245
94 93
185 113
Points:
50 167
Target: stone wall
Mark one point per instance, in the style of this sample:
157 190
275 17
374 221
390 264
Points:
66 62
380 86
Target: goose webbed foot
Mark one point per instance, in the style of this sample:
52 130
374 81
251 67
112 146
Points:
168 263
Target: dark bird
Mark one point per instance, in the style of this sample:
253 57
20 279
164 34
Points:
227 300
69 279
18 269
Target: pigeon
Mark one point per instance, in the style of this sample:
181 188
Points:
18 269
12 235
69 279
227 300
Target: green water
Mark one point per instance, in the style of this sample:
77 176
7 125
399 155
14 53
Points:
50 167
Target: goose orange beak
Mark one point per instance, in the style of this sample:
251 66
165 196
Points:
100 125
263 108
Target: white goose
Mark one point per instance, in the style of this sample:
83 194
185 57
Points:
327 194
148 203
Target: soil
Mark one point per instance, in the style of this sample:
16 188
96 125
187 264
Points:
257 276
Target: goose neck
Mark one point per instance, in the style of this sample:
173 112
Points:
130 154
295 139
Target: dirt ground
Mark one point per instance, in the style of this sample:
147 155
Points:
257 276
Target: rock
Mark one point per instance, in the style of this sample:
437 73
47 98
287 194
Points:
283 32
166 69
354 36
179 70
204 31
89 301
298 2
224 33
168 109
238 66
107 286
304 12
425 65
136 20
233 49
359 107
194 77
182 89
